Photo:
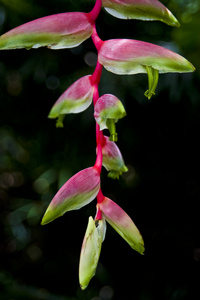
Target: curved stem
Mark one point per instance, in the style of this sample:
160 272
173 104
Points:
95 11
96 39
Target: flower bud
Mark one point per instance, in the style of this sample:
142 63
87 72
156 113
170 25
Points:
78 191
108 109
140 9
153 75
112 159
122 223
90 251
64 30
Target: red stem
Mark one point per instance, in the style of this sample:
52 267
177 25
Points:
96 76
99 134
98 214
99 158
95 93
95 79
95 11
100 196
96 39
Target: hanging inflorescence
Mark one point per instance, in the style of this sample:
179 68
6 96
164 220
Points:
119 56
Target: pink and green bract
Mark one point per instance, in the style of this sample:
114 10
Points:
107 110
75 99
119 56
78 191
65 30
125 56
122 223
147 10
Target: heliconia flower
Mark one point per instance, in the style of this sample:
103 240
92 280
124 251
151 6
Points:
75 99
64 30
140 9
90 250
112 159
125 56
153 76
122 223
107 110
78 191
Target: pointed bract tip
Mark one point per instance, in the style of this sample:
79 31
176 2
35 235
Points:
122 223
140 9
90 251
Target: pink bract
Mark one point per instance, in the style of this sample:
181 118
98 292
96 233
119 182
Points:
78 191
107 107
57 31
125 56
112 159
75 99
122 223
140 9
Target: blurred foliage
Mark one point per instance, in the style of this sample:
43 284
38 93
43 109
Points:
159 142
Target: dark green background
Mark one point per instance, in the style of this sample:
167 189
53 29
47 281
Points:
159 140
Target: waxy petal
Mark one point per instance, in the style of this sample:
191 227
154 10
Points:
64 30
108 109
140 9
75 99
90 251
125 56
78 191
112 159
122 223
